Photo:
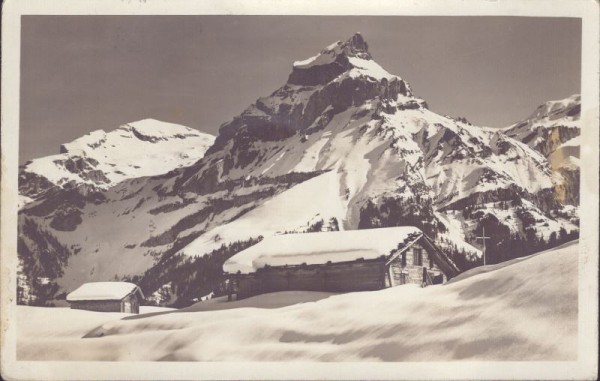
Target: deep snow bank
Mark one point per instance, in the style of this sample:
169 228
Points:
523 311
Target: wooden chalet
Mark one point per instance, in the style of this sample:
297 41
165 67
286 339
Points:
107 297
338 261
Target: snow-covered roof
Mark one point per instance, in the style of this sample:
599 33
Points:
318 248
103 291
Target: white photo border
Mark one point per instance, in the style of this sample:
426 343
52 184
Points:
584 368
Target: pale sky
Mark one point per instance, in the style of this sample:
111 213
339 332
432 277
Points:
83 73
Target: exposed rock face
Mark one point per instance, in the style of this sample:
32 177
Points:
320 74
66 220
330 63
84 167
567 188
34 185
553 130
553 123
547 139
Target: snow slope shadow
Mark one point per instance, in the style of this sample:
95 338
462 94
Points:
264 301
269 301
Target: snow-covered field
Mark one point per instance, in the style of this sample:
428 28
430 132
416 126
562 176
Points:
524 310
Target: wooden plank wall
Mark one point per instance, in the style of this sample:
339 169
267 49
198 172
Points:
135 305
360 275
97 305
414 272
108 305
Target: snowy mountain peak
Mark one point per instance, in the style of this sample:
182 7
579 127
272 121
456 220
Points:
562 112
558 109
159 129
550 125
342 77
351 56
355 46
102 159
149 130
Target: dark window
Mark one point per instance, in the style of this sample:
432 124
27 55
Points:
402 278
417 257
403 259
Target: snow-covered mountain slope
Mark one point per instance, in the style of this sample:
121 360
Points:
342 113
554 131
550 126
102 159
342 145
515 305
128 228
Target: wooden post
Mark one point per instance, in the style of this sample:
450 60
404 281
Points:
229 289
483 238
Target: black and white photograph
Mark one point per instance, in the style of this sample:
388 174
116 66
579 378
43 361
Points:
279 188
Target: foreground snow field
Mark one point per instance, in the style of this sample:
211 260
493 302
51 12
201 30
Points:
526 310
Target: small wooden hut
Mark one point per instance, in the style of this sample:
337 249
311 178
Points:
107 297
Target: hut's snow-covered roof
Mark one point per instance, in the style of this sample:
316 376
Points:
319 248
103 291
